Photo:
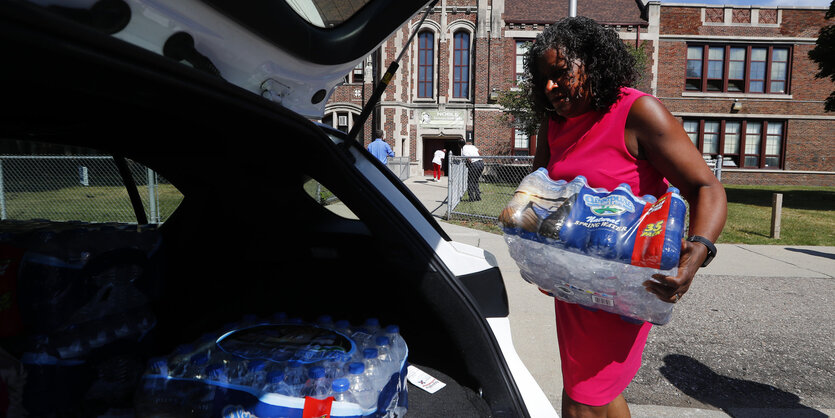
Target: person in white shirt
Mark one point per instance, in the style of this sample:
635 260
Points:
475 166
437 160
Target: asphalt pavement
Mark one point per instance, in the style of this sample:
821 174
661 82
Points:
754 336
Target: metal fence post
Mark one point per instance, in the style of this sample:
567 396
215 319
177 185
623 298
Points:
718 169
152 195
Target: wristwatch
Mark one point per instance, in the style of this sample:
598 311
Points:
711 249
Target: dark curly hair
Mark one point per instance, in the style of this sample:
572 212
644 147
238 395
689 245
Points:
608 63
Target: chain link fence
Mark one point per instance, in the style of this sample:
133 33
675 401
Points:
80 188
481 191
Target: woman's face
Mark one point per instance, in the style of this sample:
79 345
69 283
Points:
565 84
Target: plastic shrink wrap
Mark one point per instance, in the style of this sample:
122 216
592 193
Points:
303 370
595 247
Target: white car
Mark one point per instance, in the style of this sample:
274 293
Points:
220 97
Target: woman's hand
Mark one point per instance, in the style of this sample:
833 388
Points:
671 289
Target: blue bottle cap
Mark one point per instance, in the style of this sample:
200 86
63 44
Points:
324 319
356 368
275 376
392 329
672 189
369 353
340 385
316 372
372 322
382 340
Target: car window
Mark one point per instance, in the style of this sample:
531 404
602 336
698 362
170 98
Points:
326 13
328 199
78 185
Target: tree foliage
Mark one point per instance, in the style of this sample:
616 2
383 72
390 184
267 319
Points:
824 55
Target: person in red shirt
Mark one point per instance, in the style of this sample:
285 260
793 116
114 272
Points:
594 124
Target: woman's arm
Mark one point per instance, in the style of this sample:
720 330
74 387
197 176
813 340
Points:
543 151
661 139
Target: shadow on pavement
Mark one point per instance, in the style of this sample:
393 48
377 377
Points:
812 252
731 395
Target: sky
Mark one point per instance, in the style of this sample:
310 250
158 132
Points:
821 3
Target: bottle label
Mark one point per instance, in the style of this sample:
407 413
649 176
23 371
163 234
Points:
317 408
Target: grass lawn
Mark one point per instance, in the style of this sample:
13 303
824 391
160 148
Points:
808 215
89 204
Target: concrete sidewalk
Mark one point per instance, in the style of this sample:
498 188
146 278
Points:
531 315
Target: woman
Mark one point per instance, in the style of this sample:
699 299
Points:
596 126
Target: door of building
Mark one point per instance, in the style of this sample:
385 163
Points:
430 145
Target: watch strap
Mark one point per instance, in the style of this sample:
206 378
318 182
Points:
711 249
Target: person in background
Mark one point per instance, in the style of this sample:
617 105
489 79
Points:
595 125
437 161
380 148
475 166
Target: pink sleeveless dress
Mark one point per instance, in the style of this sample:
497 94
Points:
600 352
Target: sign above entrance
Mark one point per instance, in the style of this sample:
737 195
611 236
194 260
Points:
442 118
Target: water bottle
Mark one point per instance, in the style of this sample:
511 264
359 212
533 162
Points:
256 374
215 372
325 321
361 388
398 345
372 325
317 385
341 391
279 317
387 362
276 383
295 376
373 367
196 368
335 365
343 327
180 359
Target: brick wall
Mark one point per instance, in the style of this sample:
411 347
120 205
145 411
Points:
778 178
809 130
809 144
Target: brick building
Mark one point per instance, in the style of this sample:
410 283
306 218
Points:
738 77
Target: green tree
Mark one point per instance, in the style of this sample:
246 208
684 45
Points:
824 55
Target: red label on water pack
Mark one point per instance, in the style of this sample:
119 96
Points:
317 408
649 239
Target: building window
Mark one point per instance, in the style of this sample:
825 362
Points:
742 143
521 143
521 50
737 69
358 73
339 120
461 66
426 64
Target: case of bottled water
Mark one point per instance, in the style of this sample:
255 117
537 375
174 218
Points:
76 295
595 247
321 368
